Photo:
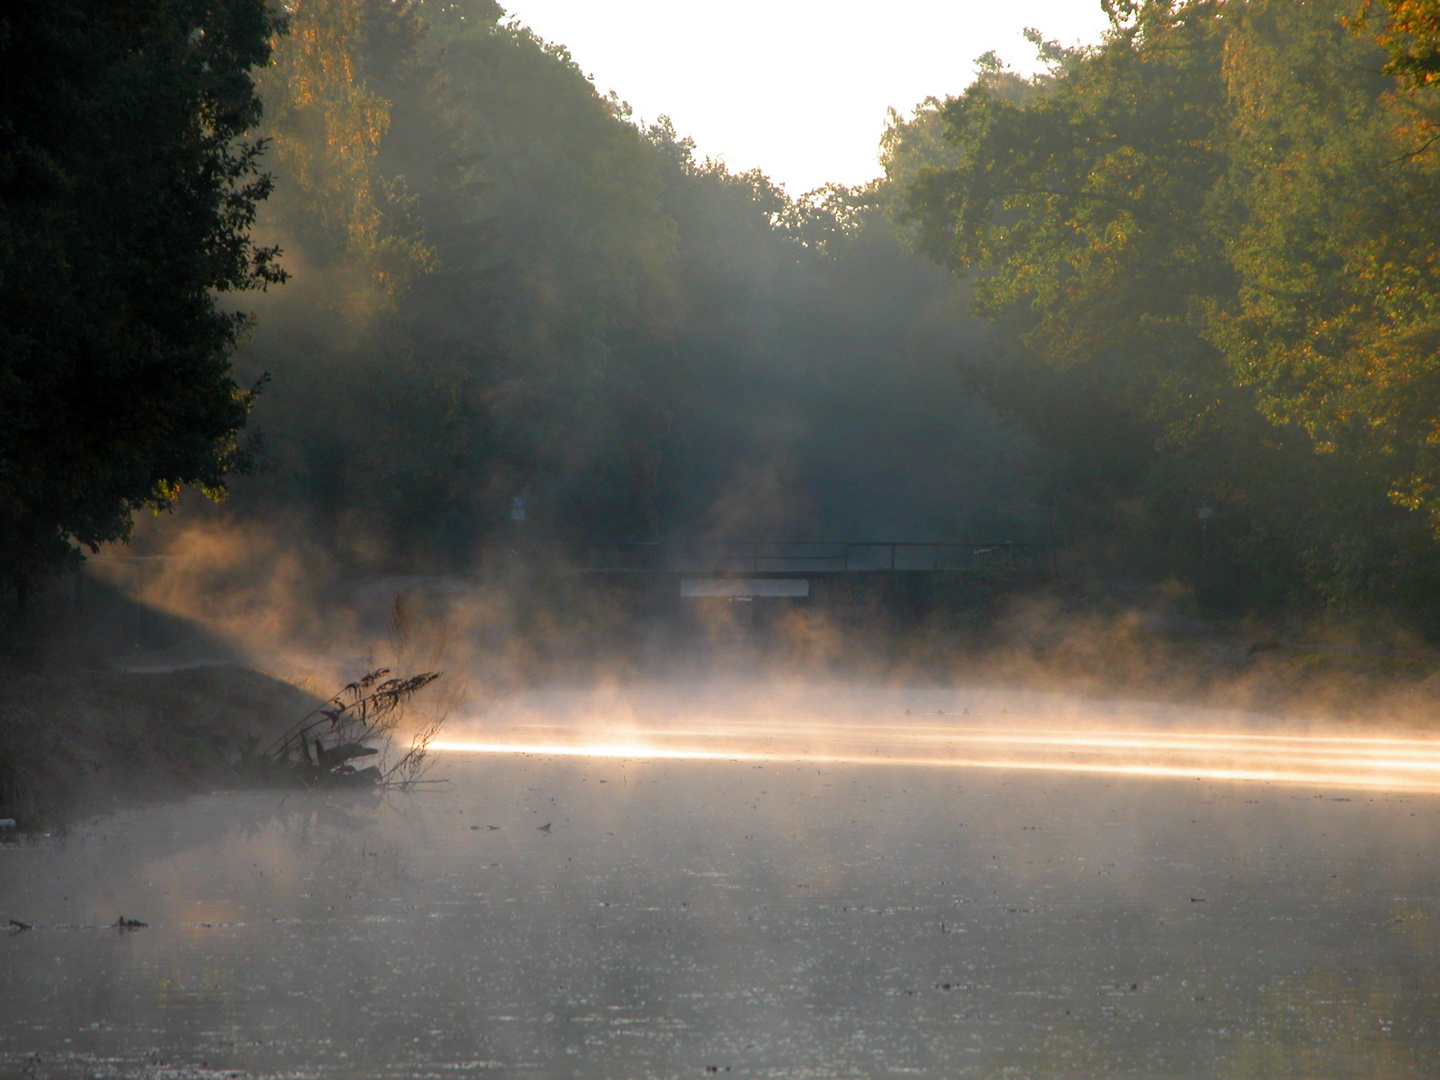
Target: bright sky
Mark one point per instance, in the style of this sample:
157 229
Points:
796 87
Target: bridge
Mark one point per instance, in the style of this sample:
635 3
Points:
750 569
788 558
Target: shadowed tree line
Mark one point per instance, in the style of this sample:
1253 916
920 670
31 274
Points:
1211 243
506 286
1189 267
128 184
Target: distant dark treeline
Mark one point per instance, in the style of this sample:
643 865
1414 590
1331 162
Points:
504 287
1172 305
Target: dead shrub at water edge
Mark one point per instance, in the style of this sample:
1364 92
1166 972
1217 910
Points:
356 723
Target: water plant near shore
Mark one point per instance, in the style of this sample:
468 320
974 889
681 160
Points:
358 722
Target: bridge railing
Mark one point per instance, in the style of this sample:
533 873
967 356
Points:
792 557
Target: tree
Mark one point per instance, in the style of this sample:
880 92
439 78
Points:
127 192
1212 254
1409 32
625 334
1337 321
1078 204
326 124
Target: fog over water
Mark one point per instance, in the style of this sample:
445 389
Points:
770 917
760 495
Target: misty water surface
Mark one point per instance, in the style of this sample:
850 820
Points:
681 918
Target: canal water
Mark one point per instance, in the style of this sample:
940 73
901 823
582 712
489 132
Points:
576 909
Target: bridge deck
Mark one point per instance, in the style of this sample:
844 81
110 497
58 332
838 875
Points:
785 558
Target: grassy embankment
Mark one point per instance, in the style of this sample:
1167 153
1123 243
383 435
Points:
80 742
79 733
81 729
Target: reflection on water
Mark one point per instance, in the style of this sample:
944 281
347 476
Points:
1008 730
766 917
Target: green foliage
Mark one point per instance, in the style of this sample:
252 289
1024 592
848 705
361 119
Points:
1080 204
127 193
1330 226
1409 31
640 342
1195 262
326 127
1338 319
1081 211
1208 241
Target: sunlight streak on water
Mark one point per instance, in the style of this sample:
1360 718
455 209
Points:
1392 764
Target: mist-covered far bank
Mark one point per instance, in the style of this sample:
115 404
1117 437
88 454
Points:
504 289
511 299
484 306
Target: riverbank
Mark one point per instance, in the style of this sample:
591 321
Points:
121 702
82 742
1137 643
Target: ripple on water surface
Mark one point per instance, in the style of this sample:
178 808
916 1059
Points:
764 917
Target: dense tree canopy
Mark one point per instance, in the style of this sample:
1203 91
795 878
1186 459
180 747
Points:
1211 237
575 309
127 191
1409 31
1190 267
